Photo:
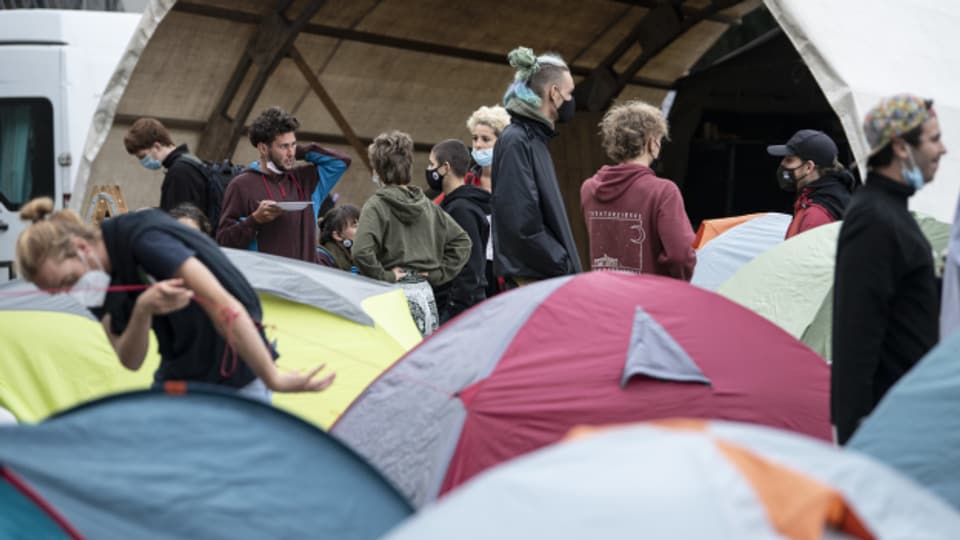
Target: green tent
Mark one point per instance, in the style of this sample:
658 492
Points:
791 284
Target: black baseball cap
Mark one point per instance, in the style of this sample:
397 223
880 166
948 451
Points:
808 144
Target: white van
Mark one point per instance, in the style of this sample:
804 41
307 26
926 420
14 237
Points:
54 67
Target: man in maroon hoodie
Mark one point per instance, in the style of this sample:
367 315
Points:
253 215
636 221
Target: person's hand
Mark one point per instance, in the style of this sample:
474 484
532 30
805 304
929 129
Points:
267 211
398 272
295 381
165 297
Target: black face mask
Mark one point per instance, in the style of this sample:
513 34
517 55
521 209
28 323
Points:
435 179
787 178
566 110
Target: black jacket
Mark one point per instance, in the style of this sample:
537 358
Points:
833 192
182 183
469 206
885 305
531 232
191 349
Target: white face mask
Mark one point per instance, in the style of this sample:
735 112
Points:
272 167
91 289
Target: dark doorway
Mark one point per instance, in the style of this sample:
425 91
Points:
724 116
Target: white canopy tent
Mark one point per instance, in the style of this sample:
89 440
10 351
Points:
860 51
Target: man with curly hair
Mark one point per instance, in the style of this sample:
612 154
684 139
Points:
532 239
636 221
251 218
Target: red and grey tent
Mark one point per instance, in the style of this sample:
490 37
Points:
517 372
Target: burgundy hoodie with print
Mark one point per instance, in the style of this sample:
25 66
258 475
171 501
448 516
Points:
637 223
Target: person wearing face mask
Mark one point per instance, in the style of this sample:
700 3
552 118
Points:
149 141
469 206
485 125
338 229
251 218
195 300
403 237
635 220
810 169
886 299
532 239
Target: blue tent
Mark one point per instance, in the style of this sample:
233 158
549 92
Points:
915 428
204 464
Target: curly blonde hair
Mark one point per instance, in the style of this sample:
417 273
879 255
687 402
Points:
626 129
391 155
496 118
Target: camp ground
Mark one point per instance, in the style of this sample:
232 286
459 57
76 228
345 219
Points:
356 326
468 433
720 256
192 463
688 480
598 348
792 283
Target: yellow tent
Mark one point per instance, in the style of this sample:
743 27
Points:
54 355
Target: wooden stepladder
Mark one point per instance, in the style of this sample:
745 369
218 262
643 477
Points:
106 201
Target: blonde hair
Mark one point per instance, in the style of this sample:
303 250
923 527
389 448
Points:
496 118
49 237
391 155
626 129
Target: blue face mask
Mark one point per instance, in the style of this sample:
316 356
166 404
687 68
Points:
150 162
913 175
483 157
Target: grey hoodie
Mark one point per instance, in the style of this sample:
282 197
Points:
402 227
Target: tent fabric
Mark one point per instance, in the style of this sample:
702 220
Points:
915 428
652 352
852 71
206 464
24 512
329 289
791 285
478 393
427 388
39 375
687 484
324 327
712 228
735 247
19 295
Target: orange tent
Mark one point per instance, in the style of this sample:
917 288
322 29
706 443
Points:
712 228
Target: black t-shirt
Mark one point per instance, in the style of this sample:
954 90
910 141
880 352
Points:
191 349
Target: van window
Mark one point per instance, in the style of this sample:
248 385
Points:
26 150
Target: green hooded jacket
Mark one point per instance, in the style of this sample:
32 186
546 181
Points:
402 227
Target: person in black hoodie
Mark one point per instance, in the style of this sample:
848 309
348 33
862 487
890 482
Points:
885 303
154 267
810 167
532 239
149 141
469 206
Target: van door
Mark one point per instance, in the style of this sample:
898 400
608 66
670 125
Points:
26 166
30 91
